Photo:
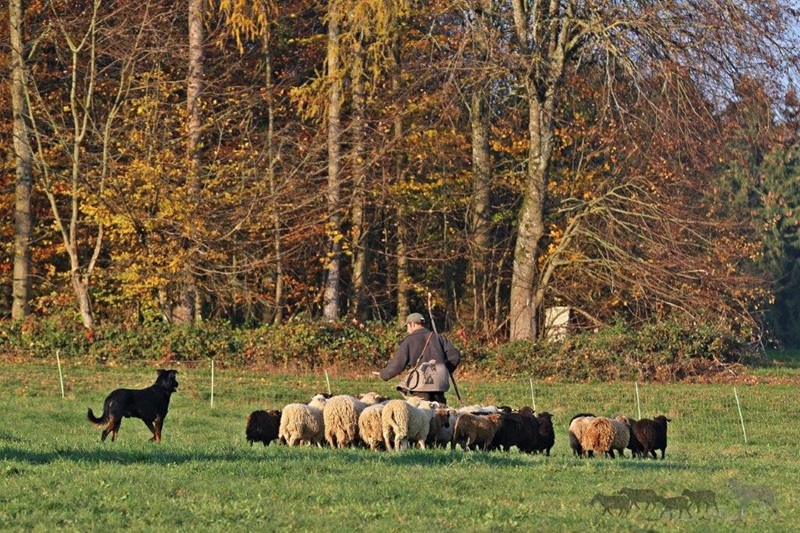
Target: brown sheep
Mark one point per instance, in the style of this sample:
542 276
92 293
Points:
475 430
652 435
599 436
441 429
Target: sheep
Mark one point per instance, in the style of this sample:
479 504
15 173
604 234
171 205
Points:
370 429
547 435
479 409
303 423
598 436
263 426
475 430
623 435
371 398
403 423
577 427
441 429
341 418
520 429
604 435
633 443
652 435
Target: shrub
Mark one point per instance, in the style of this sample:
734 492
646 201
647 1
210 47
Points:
666 351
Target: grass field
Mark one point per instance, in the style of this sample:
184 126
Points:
55 473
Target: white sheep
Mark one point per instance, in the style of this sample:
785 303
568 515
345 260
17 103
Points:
303 423
369 426
341 417
479 409
577 427
341 420
403 423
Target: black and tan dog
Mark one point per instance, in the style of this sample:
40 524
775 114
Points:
149 404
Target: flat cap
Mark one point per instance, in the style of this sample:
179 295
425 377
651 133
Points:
415 317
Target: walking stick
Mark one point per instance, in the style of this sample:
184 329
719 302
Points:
452 378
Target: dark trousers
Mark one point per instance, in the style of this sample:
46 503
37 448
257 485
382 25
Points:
430 396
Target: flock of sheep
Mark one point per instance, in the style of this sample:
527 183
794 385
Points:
376 422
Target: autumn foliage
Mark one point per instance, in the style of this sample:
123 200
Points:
664 196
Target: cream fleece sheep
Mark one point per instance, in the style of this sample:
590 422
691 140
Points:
475 430
341 420
403 423
623 435
369 426
303 423
577 427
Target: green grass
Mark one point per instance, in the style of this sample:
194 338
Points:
55 473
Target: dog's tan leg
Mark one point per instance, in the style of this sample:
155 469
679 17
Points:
115 428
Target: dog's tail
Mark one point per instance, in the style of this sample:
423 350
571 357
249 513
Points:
97 421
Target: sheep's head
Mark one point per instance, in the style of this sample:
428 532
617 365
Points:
495 418
444 417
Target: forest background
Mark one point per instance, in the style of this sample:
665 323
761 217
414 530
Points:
287 180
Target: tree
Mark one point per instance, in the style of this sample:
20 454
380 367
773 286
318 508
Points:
23 227
632 40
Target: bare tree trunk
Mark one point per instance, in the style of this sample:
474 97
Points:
403 280
541 81
188 305
277 316
23 220
330 309
360 234
526 299
480 216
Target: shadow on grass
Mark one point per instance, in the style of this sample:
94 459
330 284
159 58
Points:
151 453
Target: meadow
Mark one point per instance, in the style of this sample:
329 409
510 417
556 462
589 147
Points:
56 475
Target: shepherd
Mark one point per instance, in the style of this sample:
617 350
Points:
431 357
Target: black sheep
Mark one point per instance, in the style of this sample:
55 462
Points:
651 434
547 435
263 426
520 429
633 443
